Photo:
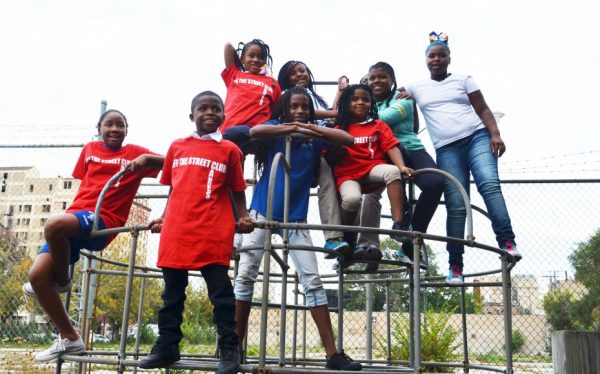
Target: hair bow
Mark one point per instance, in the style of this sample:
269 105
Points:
435 37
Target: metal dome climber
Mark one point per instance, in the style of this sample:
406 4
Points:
286 363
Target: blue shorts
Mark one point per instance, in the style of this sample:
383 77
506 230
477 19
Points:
83 240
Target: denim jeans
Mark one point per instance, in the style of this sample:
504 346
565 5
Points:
472 154
304 261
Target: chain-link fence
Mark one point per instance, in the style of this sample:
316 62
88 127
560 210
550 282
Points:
550 219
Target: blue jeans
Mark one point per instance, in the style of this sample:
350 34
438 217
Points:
472 154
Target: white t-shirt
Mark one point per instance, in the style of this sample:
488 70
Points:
446 107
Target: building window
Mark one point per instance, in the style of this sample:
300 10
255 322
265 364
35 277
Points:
3 186
43 221
67 185
18 221
27 208
31 188
64 205
26 221
46 208
50 187
5 176
20 208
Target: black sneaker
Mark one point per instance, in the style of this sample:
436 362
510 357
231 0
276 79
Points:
407 248
160 356
341 361
229 360
372 253
404 226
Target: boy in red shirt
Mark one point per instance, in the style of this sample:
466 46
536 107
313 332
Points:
197 230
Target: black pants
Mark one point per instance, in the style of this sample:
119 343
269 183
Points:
220 293
431 186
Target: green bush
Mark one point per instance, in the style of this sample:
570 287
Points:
518 341
437 340
195 334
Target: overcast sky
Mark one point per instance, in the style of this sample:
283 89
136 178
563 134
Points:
534 60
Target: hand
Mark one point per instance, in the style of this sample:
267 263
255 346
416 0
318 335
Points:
343 83
245 225
402 95
498 147
137 164
406 172
155 225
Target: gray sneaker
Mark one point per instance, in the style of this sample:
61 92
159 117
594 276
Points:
28 290
59 347
229 360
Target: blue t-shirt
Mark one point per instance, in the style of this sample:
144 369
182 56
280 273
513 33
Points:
303 160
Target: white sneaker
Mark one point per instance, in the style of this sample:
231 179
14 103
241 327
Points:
28 290
59 347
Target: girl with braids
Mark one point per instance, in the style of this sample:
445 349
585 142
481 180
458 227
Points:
67 233
467 141
401 116
293 74
366 162
294 113
251 91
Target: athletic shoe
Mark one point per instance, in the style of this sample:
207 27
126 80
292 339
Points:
372 253
404 226
402 257
160 356
407 250
510 247
28 290
455 276
229 360
337 245
59 347
341 361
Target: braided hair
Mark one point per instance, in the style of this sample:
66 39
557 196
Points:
387 68
284 80
103 116
344 117
265 52
281 112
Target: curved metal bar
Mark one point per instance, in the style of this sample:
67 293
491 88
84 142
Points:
108 184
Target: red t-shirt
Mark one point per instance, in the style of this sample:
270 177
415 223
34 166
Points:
198 227
372 140
96 165
250 97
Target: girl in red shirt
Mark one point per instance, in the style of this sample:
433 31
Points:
364 165
66 234
251 91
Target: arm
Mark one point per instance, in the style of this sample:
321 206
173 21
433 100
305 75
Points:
342 85
146 161
156 224
324 114
484 112
416 117
396 157
229 55
245 224
337 136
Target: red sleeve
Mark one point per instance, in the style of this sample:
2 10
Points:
276 95
165 177
229 73
387 140
235 173
148 172
80 167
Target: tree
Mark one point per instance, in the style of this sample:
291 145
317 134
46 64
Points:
111 288
566 311
14 266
